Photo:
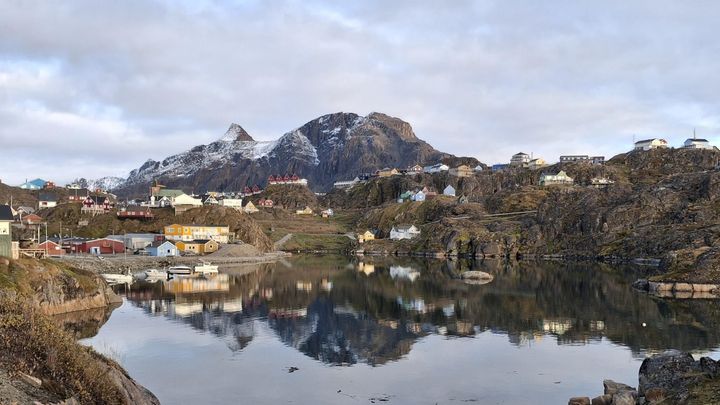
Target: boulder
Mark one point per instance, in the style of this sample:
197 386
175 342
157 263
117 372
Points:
669 376
579 401
611 387
624 398
602 400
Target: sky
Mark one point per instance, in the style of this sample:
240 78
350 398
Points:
95 88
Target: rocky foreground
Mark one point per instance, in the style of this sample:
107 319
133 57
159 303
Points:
672 377
39 360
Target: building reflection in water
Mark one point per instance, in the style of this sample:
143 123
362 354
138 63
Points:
375 310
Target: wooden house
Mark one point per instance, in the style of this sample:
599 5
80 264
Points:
306 211
400 232
250 208
6 218
199 247
266 203
135 212
47 200
162 249
366 236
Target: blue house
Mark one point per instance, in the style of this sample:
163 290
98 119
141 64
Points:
162 249
500 167
37 184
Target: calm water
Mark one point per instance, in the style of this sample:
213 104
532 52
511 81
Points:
395 331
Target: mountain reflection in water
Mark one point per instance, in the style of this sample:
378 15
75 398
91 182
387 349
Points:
346 311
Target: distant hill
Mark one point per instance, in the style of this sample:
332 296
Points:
327 149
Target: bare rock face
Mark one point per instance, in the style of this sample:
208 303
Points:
333 147
669 377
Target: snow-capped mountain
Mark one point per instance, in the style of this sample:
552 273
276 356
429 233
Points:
108 183
330 148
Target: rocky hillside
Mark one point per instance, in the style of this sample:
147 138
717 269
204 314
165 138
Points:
330 148
664 205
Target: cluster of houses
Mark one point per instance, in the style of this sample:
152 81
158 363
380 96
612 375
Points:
658 143
459 171
287 179
398 232
425 194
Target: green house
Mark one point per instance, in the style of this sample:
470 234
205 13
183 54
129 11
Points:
6 217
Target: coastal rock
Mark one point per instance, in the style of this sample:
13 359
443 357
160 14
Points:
611 387
602 400
579 401
669 376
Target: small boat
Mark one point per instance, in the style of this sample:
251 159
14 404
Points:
179 270
155 274
117 278
206 268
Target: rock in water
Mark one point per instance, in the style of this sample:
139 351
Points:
579 401
669 376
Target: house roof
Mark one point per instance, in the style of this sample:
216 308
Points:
696 140
5 213
48 197
159 243
649 140
403 228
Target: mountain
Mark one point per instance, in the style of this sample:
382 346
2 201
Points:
332 147
103 183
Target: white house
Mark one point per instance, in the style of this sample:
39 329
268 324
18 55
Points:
553 179
419 196
478 168
47 200
449 190
599 182
436 168
235 203
537 163
520 159
654 143
399 232
697 143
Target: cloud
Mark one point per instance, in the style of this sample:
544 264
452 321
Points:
95 88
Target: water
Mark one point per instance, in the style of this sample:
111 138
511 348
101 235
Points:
396 331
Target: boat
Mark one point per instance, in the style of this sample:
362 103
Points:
117 278
155 274
179 270
206 268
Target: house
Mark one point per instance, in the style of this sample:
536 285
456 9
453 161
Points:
555 179
32 219
415 169
37 184
220 234
399 232
600 182
162 249
365 236
419 196
6 218
574 158
654 143
597 160
461 171
449 190
102 246
520 159
47 200
327 213
250 208
306 211
498 167
184 202
78 195
135 241
135 212
235 203
344 185
697 143
199 246
406 196
209 200
96 205
436 168
266 203
23 210
51 248
387 172
537 163
478 168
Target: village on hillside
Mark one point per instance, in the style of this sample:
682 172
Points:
201 239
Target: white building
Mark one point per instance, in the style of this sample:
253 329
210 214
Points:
697 143
520 159
574 158
449 190
599 182
537 163
436 168
399 232
554 179
478 168
235 203
419 196
654 143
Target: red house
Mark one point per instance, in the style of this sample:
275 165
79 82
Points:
103 246
52 248
271 179
135 212
267 203
294 178
32 219
96 204
256 189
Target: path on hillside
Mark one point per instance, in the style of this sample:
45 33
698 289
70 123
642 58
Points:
279 244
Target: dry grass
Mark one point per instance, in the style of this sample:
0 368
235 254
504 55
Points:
32 343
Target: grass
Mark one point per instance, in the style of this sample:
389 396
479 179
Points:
30 342
312 242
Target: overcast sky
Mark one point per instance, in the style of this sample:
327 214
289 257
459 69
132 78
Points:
94 88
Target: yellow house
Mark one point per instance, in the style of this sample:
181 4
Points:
367 235
387 172
200 247
461 171
178 232
250 208
306 211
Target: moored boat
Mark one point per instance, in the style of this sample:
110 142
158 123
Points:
206 268
154 274
179 270
117 278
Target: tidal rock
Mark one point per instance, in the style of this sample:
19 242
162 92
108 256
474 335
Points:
611 387
641 284
602 400
624 398
579 401
669 376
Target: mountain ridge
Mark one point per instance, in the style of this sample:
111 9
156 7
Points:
332 147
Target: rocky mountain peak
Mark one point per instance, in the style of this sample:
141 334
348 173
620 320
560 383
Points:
236 133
